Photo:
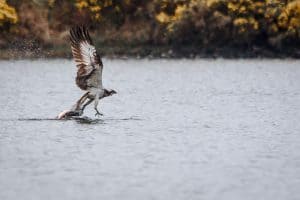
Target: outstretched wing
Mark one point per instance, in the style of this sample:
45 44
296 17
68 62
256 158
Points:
88 61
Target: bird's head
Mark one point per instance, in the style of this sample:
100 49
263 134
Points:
109 92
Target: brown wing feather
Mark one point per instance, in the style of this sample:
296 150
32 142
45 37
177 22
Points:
86 57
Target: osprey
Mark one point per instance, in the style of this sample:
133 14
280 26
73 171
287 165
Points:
89 72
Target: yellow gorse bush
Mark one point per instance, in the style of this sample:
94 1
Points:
93 6
222 22
247 16
290 17
7 13
163 17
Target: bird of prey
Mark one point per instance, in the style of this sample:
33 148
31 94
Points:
89 72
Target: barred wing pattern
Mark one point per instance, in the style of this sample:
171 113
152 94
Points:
88 61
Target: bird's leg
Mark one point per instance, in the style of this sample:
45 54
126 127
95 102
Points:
75 110
96 104
81 101
87 103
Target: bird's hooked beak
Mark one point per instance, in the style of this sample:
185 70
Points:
113 92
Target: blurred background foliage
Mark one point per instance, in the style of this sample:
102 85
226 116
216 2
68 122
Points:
157 27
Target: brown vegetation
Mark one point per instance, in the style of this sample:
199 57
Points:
168 28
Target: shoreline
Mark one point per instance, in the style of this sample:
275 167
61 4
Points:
152 52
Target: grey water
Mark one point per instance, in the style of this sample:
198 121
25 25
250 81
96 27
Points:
177 129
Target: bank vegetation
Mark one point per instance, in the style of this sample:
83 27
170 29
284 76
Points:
153 28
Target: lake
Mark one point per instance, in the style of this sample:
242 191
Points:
177 129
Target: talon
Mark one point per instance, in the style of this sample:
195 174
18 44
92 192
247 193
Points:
98 113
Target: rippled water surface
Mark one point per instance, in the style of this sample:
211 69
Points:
177 129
